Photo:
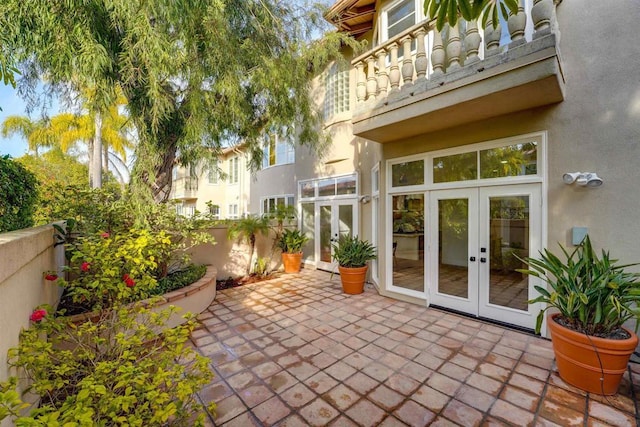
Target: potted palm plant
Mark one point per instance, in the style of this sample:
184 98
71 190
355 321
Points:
290 243
352 255
594 297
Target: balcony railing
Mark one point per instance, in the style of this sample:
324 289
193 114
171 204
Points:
185 188
421 53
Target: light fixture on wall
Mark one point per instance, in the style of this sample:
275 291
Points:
588 179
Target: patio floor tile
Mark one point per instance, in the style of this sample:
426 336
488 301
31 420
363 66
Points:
296 351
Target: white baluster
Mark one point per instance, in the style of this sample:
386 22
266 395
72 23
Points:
516 23
437 54
407 61
541 14
394 69
472 42
372 85
422 63
492 38
361 88
383 80
454 47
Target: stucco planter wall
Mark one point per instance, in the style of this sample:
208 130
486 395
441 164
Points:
194 299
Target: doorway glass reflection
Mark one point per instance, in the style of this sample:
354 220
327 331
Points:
408 241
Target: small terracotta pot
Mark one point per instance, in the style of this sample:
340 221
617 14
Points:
292 262
590 363
352 279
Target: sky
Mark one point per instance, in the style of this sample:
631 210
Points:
11 105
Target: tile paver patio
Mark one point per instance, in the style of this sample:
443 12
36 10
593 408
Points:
295 351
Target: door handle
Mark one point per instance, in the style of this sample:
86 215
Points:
483 260
472 259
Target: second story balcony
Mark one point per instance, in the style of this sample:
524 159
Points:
423 80
185 188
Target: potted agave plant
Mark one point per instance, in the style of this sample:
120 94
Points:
352 255
594 297
290 243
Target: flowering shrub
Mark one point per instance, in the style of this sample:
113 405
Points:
114 371
118 268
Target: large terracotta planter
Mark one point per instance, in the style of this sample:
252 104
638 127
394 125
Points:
292 262
590 363
352 279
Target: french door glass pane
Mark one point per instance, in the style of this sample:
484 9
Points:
408 241
509 240
512 160
453 247
407 173
345 220
325 233
308 229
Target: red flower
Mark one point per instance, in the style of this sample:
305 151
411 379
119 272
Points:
105 235
51 277
38 315
85 266
128 281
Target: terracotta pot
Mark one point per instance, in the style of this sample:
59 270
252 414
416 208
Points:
590 363
292 262
352 279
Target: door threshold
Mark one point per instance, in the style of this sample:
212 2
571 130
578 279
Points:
528 331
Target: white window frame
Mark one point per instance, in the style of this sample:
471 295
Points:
289 152
419 17
315 182
273 199
232 211
214 211
234 170
375 220
212 174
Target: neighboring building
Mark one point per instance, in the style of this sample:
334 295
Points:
449 149
223 188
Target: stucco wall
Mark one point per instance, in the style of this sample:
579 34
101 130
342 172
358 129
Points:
230 257
24 256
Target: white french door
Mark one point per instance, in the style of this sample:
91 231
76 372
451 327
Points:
336 217
478 236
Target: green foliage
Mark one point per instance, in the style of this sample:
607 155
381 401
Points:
212 71
179 279
115 371
19 194
448 11
261 266
593 294
99 264
10 402
292 241
352 251
247 229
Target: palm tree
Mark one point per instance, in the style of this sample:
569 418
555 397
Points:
247 229
38 133
448 11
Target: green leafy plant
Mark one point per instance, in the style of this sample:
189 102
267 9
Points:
352 251
112 371
179 279
247 229
291 241
594 295
19 190
448 11
261 267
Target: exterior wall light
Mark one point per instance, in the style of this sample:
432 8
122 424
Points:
588 179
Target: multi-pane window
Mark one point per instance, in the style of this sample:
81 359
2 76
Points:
233 211
212 174
399 17
269 204
214 211
277 151
336 99
234 166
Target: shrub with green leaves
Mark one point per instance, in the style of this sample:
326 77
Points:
19 194
352 251
113 371
594 295
106 269
180 279
291 241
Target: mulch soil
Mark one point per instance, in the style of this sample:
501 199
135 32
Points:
232 282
